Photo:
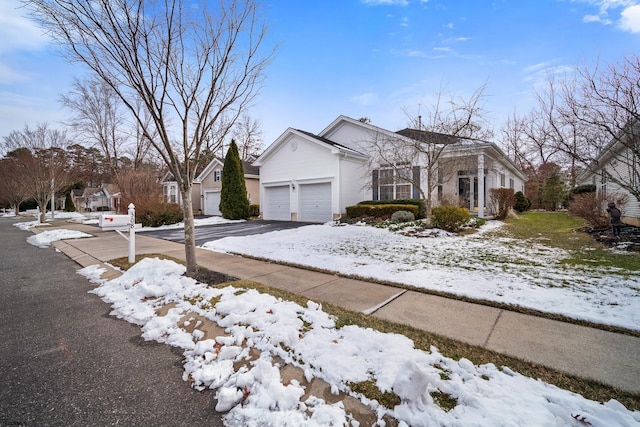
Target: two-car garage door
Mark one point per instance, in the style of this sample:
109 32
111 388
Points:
314 202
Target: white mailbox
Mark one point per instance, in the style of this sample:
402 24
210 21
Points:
113 222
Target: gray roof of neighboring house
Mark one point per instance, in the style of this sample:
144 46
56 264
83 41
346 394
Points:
249 169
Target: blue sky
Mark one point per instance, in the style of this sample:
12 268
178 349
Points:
373 58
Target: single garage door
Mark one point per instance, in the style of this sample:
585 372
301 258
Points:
315 202
212 203
277 204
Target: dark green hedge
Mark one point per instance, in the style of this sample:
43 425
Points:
422 210
379 210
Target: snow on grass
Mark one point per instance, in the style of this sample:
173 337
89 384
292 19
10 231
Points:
479 266
306 337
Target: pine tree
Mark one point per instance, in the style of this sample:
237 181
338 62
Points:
68 203
233 196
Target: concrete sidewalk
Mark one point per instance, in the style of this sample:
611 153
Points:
608 357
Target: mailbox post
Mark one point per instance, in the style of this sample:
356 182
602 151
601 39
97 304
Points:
132 233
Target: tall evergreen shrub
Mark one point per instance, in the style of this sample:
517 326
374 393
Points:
234 203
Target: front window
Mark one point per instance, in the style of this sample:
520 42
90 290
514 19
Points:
394 183
217 175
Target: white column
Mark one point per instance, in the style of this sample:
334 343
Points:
480 185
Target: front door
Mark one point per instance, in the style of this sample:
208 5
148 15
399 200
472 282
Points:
466 193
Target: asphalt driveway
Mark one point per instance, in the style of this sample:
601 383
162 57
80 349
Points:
206 233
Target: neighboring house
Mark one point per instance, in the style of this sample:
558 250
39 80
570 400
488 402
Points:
308 177
617 163
93 199
205 194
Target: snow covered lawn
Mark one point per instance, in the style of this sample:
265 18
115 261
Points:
306 337
527 274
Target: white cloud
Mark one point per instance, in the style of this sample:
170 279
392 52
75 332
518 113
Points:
9 75
630 19
386 2
16 31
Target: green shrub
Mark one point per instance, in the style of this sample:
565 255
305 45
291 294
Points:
522 203
450 218
103 209
254 210
580 189
422 210
160 214
402 216
378 211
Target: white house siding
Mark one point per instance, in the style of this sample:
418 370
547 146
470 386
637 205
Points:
356 137
630 212
352 187
295 162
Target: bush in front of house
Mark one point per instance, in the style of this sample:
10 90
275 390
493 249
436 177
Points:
402 216
422 210
500 201
382 211
591 207
254 210
522 203
159 214
450 218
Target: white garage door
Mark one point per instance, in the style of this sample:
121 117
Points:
277 204
212 203
315 202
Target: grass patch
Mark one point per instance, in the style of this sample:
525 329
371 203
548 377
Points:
369 389
444 400
561 230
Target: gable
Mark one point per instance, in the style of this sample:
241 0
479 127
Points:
213 165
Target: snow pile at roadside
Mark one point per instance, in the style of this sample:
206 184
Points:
45 238
478 266
307 337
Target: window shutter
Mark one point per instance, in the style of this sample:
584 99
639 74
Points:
416 179
374 185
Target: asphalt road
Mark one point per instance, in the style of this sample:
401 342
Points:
206 233
66 362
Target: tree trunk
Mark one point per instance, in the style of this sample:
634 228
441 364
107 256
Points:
189 233
43 214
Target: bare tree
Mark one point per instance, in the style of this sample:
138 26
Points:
604 103
12 188
444 126
99 120
248 137
41 163
195 67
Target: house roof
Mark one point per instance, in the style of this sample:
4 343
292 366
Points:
249 168
427 136
328 141
311 137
